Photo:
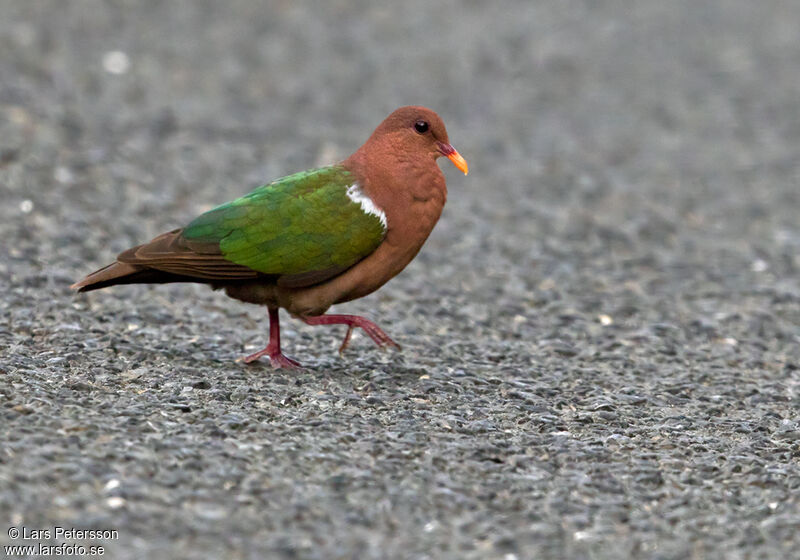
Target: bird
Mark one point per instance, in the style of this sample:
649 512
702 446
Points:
309 240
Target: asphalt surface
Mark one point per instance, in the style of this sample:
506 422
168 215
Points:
601 337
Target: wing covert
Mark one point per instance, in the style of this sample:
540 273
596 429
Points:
307 225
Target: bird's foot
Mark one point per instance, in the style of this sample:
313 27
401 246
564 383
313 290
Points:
373 331
273 349
276 358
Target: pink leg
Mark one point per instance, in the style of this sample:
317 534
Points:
374 331
273 349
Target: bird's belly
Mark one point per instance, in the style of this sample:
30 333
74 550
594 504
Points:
260 293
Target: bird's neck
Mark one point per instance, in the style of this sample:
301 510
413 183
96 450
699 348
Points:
394 181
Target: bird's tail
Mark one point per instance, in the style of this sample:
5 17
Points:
116 273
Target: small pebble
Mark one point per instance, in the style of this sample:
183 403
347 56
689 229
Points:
116 62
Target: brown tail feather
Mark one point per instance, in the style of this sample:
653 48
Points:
106 276
122 273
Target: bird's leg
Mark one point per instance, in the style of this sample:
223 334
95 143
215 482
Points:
374 331
273 349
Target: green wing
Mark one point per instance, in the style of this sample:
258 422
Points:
299 224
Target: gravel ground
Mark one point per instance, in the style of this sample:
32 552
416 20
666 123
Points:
601 338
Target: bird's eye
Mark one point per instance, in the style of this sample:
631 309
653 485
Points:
421 127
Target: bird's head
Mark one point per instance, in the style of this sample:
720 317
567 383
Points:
416 131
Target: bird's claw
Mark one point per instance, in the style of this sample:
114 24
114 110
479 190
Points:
373 331
276 358
346 340
378 336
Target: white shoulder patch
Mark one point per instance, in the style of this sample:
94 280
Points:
358 196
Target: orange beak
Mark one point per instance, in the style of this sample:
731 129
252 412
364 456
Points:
452 154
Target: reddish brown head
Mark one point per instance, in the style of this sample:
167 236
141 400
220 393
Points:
415 132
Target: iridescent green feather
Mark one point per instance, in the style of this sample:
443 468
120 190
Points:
300 223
